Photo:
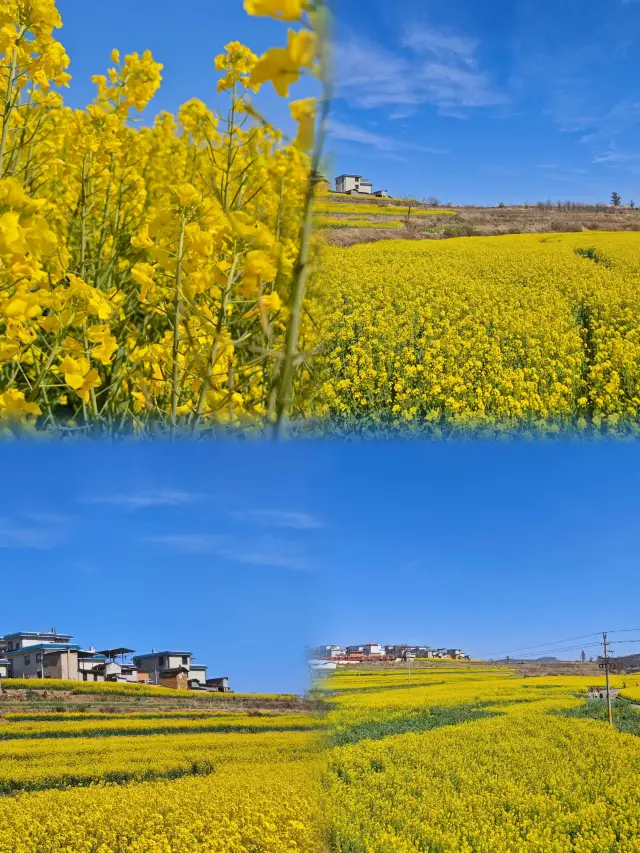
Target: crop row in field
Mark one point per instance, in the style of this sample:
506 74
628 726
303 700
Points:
126 727
348 222
63 762
378 209
109 688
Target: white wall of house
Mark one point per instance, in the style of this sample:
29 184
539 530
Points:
349 183
21 641
199 674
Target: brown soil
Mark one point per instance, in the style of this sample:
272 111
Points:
524 670
490 222
40 701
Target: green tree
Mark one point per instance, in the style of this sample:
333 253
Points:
615 199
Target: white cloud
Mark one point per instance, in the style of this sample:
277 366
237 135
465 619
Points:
266 552
186 543
441 44
280 518
35 532
431 66
144 500
352 133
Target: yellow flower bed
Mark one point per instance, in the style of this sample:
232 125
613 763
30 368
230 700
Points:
347 222
526 779
536 784
54 763
109 688
258 808
632 692
514 332
131 726
379 209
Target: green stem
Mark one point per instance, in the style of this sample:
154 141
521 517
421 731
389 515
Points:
175 369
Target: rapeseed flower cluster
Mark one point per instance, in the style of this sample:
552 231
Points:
150 276
241 808
490 333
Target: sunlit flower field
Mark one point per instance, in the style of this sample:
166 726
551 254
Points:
477 761
530 332
202 780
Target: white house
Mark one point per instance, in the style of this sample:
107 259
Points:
372 649
329 651
198 673
44 660
20 639
4 668
353 183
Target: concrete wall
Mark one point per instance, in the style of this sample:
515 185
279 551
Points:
26 665
61 664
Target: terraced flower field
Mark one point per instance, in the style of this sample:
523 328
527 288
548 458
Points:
473 761
528 332
161 781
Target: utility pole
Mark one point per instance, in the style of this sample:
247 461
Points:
409 671
605 645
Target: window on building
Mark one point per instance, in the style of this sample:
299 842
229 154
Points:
39 658
10 645
185 660
160 661
27 660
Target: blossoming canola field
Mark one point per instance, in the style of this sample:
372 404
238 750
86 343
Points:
530 331
232 782
475 761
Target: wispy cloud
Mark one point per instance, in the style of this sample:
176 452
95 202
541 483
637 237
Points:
186 543
616 157
429 66
143 500
35 531
351 133
442 44
281 518
266 552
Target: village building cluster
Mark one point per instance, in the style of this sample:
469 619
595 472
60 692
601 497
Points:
50 654
377 652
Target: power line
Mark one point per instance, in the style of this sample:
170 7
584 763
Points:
560 649
548 643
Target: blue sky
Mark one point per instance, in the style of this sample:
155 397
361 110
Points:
512 100
247 552
206 548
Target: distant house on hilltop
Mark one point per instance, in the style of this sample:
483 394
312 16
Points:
357 185
353 183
